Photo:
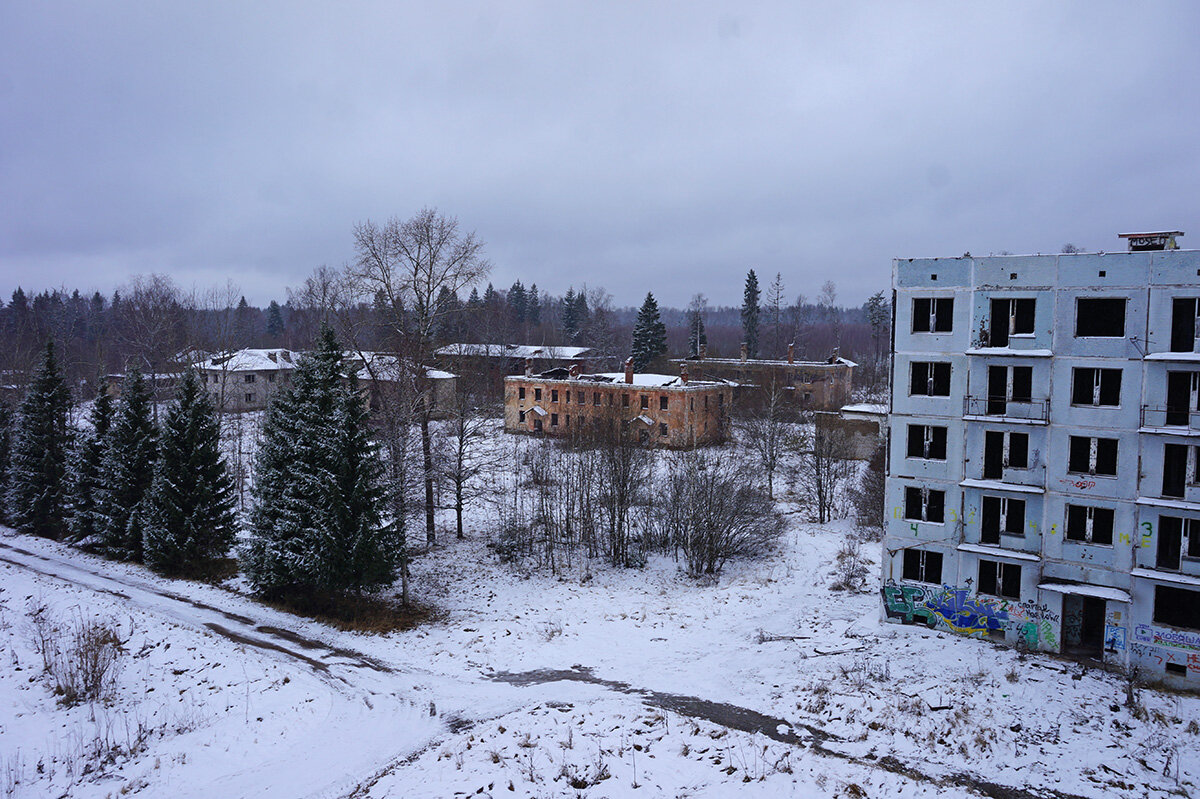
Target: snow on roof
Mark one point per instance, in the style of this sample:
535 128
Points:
646 379
644 419
1009 351
866 407
534 351
768 362
250 361
438 374
1181 579
538 411
998 552
1101 591
386 366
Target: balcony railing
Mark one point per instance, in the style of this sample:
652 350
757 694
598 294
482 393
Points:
1170 417
1034 410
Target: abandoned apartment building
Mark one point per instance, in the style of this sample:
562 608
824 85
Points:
1044 458
661 410
804 385
483 367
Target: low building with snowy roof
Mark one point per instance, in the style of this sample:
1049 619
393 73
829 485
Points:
672 411
384 377
483 367
805 385
246 379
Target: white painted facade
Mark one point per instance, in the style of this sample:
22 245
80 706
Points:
1042 486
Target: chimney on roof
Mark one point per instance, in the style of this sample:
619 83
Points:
529 367
683 373
1158 240
273 356
573 372
629 370
745 351
792 352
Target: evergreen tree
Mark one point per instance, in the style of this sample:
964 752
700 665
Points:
6 435
517 302
583 314
473 301
533 307
750 314
128 470
189 519
696 335
37 471
275 326
316 523
570 314
87 470
446 315
649 335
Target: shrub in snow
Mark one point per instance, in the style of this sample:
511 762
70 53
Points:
6 428
189 510
37 471
127 469
711 509
317 520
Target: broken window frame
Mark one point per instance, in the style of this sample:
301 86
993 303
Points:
1100 452
922 566
1018 312
1185 324
929 379
1095 387
1089 524
1000 577
1177 607
927 442
1009 516
928 503
933 315
1014 451
1178 541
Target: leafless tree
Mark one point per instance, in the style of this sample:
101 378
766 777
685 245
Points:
152 323
774 308
828 303
404 264
869 497
710 511
463 461
824 470
767 433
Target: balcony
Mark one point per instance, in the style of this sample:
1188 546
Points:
1031 411
1182 420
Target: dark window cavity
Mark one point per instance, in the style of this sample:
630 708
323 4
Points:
923 566
1002 451
1002 515
1096 456
924 504
999 579
1096 387
927 442
933 314
1178 607
1099 317
930 379
1090 525
1185 320
1010 317
662 403
1178 538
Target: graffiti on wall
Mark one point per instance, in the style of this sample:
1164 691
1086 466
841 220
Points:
1159 636
954 608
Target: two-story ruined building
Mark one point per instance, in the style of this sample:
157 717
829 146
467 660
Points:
1044 464
802 385
675 412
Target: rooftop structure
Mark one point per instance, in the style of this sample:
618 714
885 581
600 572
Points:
806 385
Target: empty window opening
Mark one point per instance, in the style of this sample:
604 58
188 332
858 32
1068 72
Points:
927 442
1090 525
1008 384
923 566
1181 468
1000 579
662 403
568 397
248 378
1178 607
1096 387
933 314
1004 450
596 398
1185 321
924 504
1177 669
624 400
662 429
537 395
1183 397
1001 515
1178 539
521 392
554 395
250 398
645 402
554 420
1099 317
1010 317
1096 456
930 379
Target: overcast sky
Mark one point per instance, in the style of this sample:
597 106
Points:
636 146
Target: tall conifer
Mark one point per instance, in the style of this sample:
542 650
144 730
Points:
750 299
37 471
128 470
87 471
649 335
189 519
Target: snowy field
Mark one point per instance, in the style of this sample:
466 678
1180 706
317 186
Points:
593 683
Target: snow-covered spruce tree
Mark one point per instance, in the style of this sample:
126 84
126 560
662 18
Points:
189 520
316 524
127 469
649 335
87 470
750 314
37 471
6 429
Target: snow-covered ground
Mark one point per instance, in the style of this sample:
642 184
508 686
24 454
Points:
595 682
